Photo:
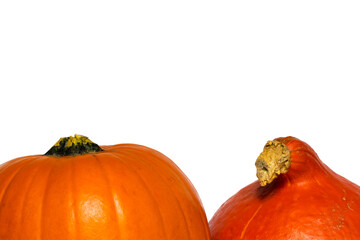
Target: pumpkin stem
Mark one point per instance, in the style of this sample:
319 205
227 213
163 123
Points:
72 146
274 160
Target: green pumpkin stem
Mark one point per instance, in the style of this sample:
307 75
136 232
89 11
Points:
72 146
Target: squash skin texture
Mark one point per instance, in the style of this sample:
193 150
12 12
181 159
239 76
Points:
310 201
124 192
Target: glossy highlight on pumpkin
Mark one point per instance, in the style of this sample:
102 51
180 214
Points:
122 192
307 200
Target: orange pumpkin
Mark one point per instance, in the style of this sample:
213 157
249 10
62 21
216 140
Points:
79 190
297 197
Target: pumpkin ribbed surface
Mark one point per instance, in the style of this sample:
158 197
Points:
126 191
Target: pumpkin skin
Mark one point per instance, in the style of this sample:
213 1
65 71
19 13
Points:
126 191
309 201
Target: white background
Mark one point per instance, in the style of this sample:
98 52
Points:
207 83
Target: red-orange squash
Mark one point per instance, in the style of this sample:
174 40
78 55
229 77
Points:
297 197
79 190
